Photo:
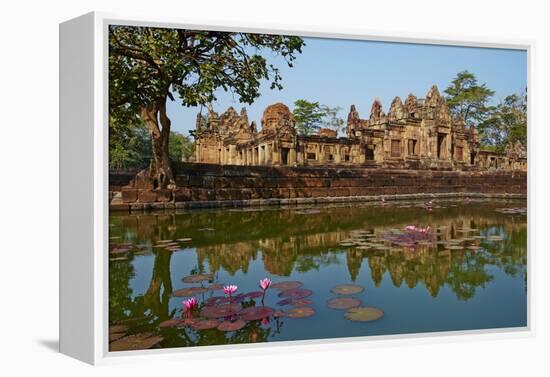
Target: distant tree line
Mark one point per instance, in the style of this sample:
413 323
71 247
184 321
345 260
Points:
130 145
498 125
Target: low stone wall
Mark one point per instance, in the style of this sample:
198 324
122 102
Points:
217 185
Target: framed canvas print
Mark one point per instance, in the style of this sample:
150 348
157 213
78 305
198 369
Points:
227 187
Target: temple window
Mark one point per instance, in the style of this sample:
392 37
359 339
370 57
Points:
458 153
412 148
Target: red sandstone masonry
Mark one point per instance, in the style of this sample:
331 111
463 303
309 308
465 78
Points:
212 183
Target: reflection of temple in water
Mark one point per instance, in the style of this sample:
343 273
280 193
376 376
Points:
286 241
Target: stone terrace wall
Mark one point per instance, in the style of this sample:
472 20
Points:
234 184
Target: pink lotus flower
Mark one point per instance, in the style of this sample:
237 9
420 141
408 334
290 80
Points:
230 289
190 304
410 228
265 283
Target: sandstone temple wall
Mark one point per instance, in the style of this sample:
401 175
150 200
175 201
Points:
230 185
419 134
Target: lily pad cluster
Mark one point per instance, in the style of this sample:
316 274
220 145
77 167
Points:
133 342
294 300
352 306
121 249
234 311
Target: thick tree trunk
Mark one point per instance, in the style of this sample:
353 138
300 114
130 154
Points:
158 123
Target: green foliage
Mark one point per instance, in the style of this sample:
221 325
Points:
180 147
129 143
506 124
468 100
308 116
148 64
331 119
311 116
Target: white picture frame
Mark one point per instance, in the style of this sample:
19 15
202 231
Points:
84 191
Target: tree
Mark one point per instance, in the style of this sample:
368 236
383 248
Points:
331 119
180 147
311 116
468 100
148 66
308 116
507 123
129 143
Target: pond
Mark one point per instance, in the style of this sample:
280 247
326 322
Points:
337 271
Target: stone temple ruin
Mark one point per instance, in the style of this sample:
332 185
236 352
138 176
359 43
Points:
416 134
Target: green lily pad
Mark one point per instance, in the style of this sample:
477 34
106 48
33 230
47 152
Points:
232 325
174 322
219 311
254 313
296 293
301 302
135 342
254 294
206 324
215 287
300 312
284 285
118 328
363 314
347 289
185 292
197 278
116 336
188 321
343 303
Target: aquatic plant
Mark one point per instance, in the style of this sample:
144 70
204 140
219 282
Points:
411 236
363 314
284 285
230 289
347 289
343 303
190 305
265 283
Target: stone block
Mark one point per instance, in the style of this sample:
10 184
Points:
129 195
164 195
147 196
119 207
182 194
196 181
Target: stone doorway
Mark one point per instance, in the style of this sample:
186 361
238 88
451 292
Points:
369 152
440 145
284 155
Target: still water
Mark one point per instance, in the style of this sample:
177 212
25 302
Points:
463 267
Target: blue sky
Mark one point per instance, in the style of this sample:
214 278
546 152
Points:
339 72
